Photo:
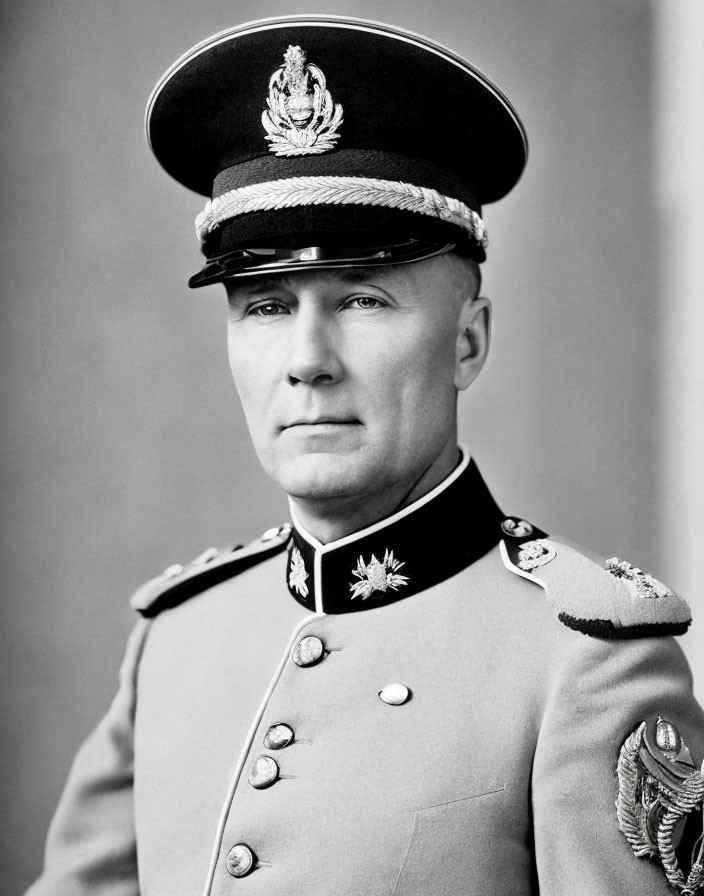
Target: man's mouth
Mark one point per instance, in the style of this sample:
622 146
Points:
321 421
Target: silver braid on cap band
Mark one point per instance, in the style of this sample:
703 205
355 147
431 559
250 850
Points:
334 190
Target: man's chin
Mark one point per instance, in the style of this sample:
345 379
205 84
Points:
320 476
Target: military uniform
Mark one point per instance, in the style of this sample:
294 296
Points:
447 702
433 705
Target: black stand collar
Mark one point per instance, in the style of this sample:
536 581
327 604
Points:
425 543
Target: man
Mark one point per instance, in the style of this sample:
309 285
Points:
405 691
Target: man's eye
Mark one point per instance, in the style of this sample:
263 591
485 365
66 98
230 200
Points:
267 309
366 303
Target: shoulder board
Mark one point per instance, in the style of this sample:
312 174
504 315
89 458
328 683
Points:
605 600
179 583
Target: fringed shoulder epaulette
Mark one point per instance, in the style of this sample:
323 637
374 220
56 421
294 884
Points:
612 600
179 583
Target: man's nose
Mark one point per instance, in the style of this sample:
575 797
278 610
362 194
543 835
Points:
313 355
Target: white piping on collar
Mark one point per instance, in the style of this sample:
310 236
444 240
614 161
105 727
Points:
321 549
387 521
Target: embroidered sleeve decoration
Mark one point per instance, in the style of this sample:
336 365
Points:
658 787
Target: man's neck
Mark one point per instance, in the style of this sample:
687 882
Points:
329 520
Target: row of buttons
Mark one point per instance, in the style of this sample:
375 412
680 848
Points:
240 860
265 771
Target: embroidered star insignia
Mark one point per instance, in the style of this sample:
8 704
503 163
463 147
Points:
377 575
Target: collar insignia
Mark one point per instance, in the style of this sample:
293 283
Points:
298 575
645 586
300 118
377 576
533 554
361 572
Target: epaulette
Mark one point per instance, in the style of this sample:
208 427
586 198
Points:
613 600
179 583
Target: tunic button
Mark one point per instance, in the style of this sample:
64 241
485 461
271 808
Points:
264 772
278 736
308 651
240 860
394 694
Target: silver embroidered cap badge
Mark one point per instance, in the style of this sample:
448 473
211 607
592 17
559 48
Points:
377 576
300 118
298 576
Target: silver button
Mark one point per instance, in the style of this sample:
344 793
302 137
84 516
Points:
516 529
239 860
278 736
308 651
172 571
264 772
208 555
394 694
282 532
668 738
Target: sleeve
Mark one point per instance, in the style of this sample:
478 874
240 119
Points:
603 691
91 846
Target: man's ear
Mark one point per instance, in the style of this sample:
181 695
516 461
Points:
473 338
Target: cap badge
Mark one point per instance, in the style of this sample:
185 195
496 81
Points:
298 576
300 118
377 576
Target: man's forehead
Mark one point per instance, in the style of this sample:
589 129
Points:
263 282
449 276
444 269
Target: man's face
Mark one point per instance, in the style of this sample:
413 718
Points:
348 378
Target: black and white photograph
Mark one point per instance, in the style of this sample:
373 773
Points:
353 404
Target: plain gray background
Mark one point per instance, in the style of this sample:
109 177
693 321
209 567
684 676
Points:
124 449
